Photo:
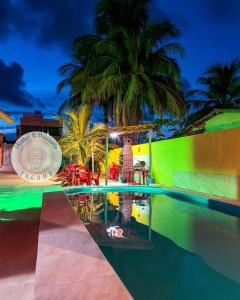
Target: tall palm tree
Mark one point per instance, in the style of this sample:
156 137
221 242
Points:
74 73
125 70
79 77
74 144
221 87
127 73
132 14
137 72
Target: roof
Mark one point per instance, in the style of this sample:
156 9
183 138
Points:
124 130
6 117
40 122
213 119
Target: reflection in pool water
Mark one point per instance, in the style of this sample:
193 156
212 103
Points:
165 248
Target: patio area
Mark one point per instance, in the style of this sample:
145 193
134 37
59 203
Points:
31 249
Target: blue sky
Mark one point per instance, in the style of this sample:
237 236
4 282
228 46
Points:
36 35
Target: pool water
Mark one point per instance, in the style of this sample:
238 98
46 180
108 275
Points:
19 202
163 247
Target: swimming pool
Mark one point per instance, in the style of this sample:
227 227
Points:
164 244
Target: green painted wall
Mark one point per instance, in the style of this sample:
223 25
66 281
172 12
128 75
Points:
223 121
169 156
208 163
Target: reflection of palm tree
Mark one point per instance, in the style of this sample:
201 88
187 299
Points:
88 209
126 207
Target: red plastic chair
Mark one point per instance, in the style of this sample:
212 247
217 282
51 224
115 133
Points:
71 166
82 176
67 175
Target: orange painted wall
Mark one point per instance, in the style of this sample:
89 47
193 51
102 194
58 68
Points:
217 152
208 163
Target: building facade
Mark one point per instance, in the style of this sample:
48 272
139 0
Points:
35 122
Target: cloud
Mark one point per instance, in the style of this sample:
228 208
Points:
49 23
53 23
12 86
5 9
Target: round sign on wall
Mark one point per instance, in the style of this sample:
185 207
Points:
36 156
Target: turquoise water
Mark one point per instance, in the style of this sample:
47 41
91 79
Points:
165 245
22 202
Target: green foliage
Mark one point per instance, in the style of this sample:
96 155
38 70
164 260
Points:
127 69
75 145
221 87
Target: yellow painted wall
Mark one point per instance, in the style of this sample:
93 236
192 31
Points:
114 156
142 149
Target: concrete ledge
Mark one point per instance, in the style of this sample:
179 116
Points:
222 185
70 265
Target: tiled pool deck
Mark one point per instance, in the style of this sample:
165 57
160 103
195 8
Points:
69 263
18 252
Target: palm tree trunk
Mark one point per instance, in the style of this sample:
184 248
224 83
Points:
127 156
106 122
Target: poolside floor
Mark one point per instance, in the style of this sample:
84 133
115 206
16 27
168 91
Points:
70 265
18 254
58 258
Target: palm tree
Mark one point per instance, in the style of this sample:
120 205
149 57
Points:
74 144
221 87
128 69
74 73
132 14
136 73
79 77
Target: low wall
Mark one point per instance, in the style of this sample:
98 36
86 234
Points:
1 149
6 158
208 162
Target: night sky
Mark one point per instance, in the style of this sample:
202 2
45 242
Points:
36 36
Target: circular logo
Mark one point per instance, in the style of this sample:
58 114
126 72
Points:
36 156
